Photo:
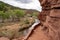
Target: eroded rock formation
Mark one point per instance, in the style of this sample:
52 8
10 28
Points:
49 28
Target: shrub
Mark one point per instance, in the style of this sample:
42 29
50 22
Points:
19 13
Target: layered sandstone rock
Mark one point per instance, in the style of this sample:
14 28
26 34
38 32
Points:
49 28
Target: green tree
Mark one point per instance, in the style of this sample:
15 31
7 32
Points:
2 16
19 14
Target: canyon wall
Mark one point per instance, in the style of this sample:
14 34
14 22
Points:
49 28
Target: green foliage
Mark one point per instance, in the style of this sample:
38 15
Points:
9 12
2 15
19 13
3 7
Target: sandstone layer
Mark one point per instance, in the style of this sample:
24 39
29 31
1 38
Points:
49 28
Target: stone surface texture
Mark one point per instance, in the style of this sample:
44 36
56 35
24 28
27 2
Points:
49 28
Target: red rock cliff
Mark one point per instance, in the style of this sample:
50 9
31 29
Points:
49 28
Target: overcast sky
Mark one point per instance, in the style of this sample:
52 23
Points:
25 4
24 1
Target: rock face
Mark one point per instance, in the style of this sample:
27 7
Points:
49 28
4 38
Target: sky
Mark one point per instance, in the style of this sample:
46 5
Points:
25 4
24 1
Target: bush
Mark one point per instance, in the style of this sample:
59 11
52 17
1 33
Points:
7 33
19 13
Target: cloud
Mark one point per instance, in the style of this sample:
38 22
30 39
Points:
24 1
25 4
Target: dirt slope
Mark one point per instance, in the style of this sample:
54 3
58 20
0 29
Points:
37 34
